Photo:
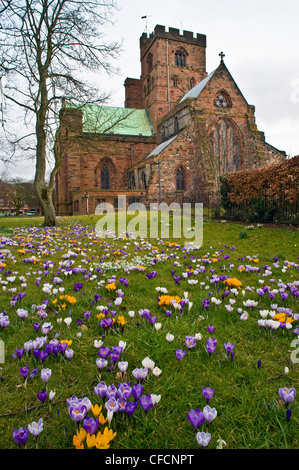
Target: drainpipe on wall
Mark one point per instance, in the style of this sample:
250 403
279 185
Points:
167 65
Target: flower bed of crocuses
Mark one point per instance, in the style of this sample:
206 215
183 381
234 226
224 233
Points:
117 342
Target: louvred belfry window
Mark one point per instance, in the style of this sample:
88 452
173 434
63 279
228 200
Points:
180 59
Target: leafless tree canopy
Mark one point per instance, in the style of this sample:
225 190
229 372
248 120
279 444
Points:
46 47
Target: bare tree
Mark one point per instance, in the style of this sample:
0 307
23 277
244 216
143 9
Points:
46 47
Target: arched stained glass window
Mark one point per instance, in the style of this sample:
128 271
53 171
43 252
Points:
105 178
180 179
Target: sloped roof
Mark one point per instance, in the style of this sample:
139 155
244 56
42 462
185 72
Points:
114 120
197 89
161 147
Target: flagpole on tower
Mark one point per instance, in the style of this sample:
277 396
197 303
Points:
145 17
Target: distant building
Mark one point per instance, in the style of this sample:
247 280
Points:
180 129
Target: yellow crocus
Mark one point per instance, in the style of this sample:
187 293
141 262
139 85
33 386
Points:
91 440
96 410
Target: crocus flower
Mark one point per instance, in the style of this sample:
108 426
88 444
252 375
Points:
20 436
146 402
169 337
209 414
112 405
36 428
137 390
287 395
207 393
203 438
42 396
24 371
156 371
100 390
211 328
101 363
228 347
123 366
196 418
45 375
90 425
148 363
78 411
131 407
190 341
180 354
69 353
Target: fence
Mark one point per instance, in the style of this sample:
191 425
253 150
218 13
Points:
267 207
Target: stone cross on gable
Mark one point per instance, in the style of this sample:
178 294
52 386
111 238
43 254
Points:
222 55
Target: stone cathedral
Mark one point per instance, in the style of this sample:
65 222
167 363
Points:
179 130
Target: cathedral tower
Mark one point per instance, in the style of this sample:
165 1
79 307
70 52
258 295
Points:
171 64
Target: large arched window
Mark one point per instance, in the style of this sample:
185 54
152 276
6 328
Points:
227 140
180 179
104 178
180 58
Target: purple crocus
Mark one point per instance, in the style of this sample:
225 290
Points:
112 405
42 396
137 390
24 371
146 402
90 425
78 411
20 436
207 393
287 394
131 407
100 390
180 354
196 418
228 347
190 342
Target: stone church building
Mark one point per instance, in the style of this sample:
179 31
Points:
179 130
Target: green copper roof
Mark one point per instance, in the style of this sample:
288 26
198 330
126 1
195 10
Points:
118 121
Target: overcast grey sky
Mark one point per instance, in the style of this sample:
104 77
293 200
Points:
260 39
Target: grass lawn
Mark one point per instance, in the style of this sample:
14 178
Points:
63 273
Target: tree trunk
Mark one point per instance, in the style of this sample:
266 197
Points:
45 198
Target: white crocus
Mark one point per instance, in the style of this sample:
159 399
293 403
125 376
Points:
68 321
122 344
148 363
155 399
169 337
158 326
156 371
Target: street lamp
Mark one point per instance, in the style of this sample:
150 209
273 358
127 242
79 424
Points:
87 205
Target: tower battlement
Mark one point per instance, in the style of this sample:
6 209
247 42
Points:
173 34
